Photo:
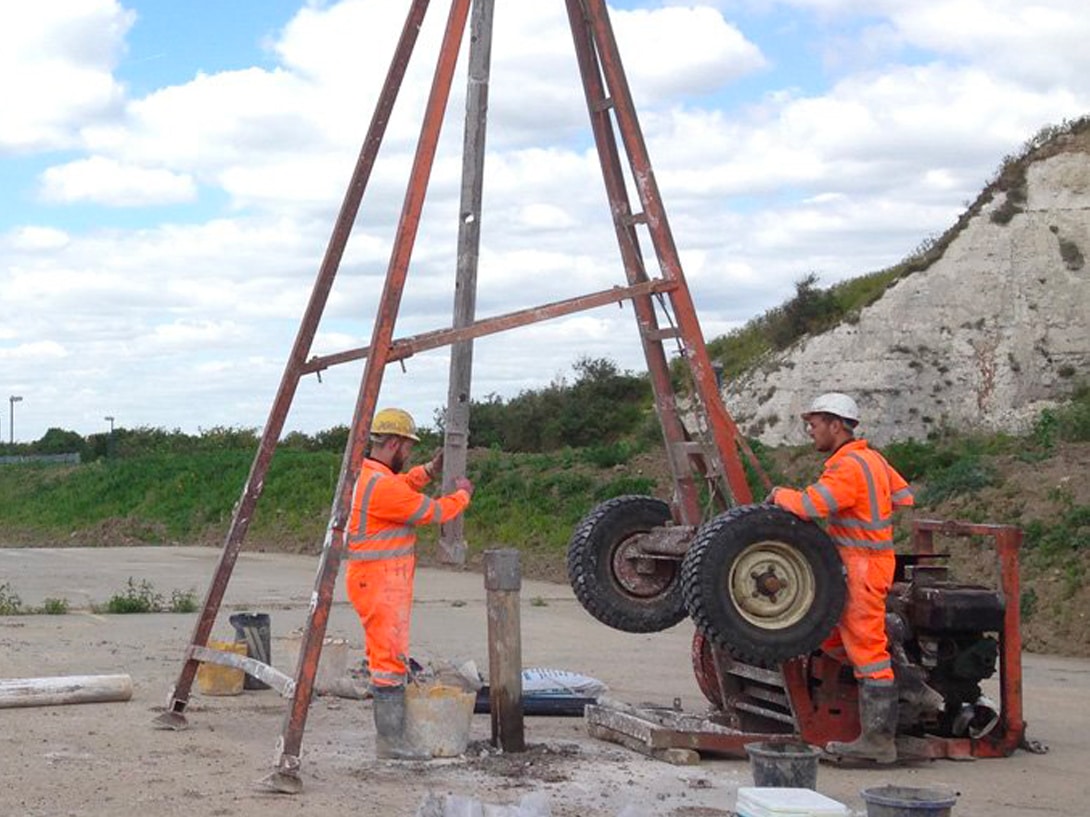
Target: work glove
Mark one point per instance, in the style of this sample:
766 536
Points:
771 498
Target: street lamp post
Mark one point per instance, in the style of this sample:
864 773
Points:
110 439
11 418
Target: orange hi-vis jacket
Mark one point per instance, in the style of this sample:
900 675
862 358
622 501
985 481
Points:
857 493
386 508
393 506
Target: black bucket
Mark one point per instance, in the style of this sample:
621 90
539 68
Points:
255 630
909 801
790 765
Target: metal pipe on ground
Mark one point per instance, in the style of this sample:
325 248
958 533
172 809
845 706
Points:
65 689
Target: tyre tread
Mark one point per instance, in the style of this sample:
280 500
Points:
585 550
701 571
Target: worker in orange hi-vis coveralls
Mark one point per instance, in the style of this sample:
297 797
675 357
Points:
386 508
857 493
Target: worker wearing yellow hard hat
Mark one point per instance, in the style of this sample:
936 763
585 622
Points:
387 506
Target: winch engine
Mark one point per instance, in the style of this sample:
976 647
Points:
944 640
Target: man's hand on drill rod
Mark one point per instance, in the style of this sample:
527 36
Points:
463 484
434 466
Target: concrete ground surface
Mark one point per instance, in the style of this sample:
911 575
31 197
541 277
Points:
106 759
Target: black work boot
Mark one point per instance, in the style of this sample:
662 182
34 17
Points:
878 725
390 737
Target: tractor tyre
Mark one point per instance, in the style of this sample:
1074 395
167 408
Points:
611 580
763 584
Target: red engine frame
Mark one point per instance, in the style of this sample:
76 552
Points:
819 700
825 706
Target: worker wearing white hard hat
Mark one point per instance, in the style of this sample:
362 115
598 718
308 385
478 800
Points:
836 404
857 493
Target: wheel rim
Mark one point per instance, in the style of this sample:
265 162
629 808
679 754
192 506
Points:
640 576
707 678
771 585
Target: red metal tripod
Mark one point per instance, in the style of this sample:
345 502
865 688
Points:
708 457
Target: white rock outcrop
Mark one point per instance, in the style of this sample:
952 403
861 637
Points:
988 335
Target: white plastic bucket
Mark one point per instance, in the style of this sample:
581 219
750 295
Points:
438 717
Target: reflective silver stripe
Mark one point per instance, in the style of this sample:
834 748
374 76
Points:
877 682
847 541
877 665
421 512
862 524
396 677
437 513
358 536
809 507
378 555
827 495
872 493
387 535
904 493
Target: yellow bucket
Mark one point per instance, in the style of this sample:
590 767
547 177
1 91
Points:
216 679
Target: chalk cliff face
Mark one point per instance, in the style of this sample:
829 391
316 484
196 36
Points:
992 332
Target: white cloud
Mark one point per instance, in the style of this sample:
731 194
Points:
38 238
545 217
682 51
34 353
763 183
105 181
192 335
215 121
1005 37
56 62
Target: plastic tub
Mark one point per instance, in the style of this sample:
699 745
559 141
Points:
779 802
790 764
909 801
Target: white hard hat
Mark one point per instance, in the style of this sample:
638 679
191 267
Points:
834 403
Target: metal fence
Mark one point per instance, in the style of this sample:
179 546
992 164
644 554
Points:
56 459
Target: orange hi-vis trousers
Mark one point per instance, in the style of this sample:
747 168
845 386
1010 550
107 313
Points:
860 635
382 593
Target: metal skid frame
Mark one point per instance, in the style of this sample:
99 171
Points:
710 461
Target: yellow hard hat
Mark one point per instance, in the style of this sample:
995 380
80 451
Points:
394 421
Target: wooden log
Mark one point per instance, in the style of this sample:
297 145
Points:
65 689
452 544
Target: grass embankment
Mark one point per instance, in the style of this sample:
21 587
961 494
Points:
526 500
530 501
162 498
533 501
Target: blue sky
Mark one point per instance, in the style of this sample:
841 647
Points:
170 42
171 172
